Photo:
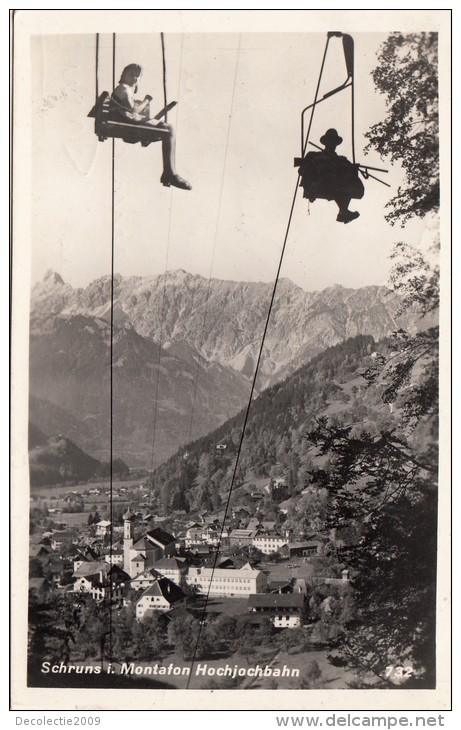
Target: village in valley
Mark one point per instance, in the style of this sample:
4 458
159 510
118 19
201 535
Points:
235 575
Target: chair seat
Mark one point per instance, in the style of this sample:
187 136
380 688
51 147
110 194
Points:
106 127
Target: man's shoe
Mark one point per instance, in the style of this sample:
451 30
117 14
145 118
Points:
351 215
169 179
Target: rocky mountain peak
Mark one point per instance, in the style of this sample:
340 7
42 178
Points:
52 277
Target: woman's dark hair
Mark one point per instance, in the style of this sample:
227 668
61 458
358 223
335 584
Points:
131 68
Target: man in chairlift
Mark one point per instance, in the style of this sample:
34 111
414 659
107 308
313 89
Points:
330 176
125 108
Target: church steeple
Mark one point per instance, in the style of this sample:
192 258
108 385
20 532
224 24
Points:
127 526
128 539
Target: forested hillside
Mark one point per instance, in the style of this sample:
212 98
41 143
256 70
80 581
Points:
275 437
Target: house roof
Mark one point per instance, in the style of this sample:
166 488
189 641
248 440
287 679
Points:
165 588
114 551
35 550
276 600
227 562
160 536
147 574
117 573
181 611
91 568
201 549
169 563
139 558
37 539
82 553
275 584
35 584
207 573
143 544
103 523
63 535
243 533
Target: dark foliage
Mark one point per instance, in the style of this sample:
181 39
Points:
407 75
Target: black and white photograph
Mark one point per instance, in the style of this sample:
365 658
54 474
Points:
230 367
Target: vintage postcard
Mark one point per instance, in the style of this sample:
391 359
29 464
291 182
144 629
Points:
230 366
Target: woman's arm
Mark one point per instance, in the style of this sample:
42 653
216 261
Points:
140 106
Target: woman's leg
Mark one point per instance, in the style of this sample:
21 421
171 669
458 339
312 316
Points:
168 149
170 176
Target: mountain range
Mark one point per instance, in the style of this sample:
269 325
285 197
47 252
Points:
184 352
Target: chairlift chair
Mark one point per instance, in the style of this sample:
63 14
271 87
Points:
106 126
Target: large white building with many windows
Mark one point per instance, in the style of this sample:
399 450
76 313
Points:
269 542
226 581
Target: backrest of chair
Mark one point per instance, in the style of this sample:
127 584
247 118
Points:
98 104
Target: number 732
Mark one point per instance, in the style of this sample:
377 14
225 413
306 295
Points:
398 672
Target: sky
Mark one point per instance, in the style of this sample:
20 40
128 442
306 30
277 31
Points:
238 129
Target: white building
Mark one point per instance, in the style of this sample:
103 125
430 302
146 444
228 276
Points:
172 568
103 527
226 581
285 610
269 542
114 557
159 597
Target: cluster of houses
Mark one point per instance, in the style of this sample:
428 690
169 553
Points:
158 572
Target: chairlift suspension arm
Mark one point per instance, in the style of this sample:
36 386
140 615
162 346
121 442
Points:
348 47
312 106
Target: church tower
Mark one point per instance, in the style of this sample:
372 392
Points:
128 540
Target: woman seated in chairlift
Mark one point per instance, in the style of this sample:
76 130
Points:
331 177
124 107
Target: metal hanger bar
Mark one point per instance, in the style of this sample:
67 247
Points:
335 91
368 167
147 127
365 167
327 96
378 180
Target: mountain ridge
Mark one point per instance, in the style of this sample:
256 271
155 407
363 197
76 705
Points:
224 320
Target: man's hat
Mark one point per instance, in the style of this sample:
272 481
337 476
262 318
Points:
331 135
